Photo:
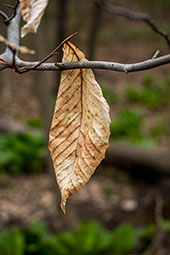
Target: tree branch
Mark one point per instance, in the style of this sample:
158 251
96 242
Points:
138 160
13 36
13 29
133 15
55 50
113 66
8 20
4 16
13 32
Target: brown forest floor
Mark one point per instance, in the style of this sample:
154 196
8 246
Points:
109 197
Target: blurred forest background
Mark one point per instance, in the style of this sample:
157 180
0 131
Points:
125 207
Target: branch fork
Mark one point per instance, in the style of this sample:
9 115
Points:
9 58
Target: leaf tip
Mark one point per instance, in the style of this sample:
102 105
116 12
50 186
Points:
63 207
64 195
63 203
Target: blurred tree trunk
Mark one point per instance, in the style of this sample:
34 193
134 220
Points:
138 160
61 20
62 6
96 23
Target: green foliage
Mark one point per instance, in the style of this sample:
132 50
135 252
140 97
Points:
148 80
154 4
12 242
157 130
35 232
124 239
129 126
110 96
90 238
109 190
34 122
93 238
165 225
154 95
146 234
21 153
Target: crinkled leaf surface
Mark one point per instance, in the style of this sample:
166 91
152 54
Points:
80 130
32 12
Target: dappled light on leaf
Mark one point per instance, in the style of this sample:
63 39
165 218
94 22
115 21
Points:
32 12
80 127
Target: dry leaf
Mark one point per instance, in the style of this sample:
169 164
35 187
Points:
32 12
21 49
80 127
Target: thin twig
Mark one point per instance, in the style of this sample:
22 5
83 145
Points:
125 12
158 30
9 6
4 15
13 37
3 60
55 50
27 69
7 21
156 54
6 62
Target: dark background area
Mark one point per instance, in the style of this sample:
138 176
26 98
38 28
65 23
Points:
125 207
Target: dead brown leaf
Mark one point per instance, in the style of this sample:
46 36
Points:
32 12
80 131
